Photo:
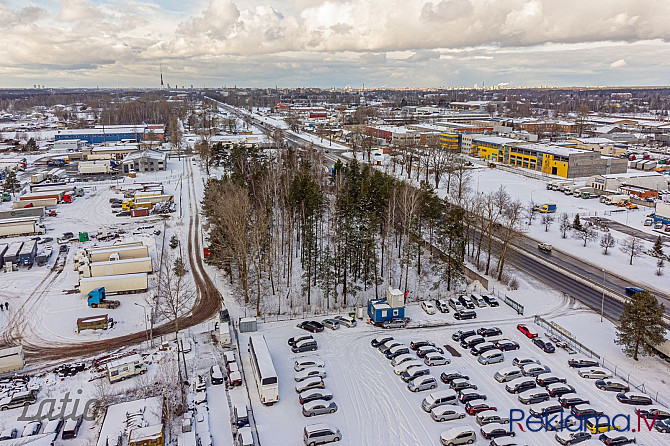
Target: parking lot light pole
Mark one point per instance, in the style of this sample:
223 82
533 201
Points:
146 330
602 303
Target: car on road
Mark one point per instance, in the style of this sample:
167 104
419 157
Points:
546 247
595 373
446 413
428 307
376 342
315 394
615 439
570 401
309 373
492 301
560 389
295 339
638 399
331 323
548 378
506 345
567 438
489 331
462 334
449 376
347 321
470 395
394 323
546 346
423 351
318 407
311 326
495 430
436 359
523 328
422 383
402 358
612 385
465 314
415 345
581 363
633 290
476 406
310 383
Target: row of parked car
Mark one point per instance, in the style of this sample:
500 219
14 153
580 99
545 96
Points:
51 428
464 305
332 323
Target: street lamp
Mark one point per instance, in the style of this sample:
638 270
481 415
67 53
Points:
146 331
602 303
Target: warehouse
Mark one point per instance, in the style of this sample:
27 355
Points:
647 180
114 133
145 161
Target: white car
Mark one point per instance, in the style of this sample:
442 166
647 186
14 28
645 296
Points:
420 383
435 359
428 307
346 321
401 368
446 413
402 358
310 372
307 361
595 373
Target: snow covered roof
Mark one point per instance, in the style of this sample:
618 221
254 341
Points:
613 176
146 433
495 139
148 153
116 418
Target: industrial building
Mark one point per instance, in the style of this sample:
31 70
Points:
546 158
647 180
145 161
114 133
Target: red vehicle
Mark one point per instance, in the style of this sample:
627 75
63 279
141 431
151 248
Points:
474 407
525 330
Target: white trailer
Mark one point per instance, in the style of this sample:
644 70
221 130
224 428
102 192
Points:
13 227
19 213
569 190
121 284
129 252
224 334
616 199
11 359
82 254
94 167
38 177
125 368
155 199
116 267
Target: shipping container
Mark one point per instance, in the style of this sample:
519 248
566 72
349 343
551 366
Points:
100 322
12 227
248 324
58 195
116 267
120 284
38 177
19 213
12 253
11 359
141 212
3 251
28 253
94 167
155 199
129 252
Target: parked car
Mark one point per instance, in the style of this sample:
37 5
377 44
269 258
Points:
315 394
595 373
638 399
490 416
533 396
295 339
581 363
414 345
346 321
385 347
8 434
491 357
570 401
307 345
309 373
307 361
414 372
615 439
216 375
448 377
462 334
320 433
547 378
534 369
318 407
546 346
71 428
662 426
311 326
481 348
331 323
491 300
526 331
314 382
469 395
376 342
458 435
396 351
565 437
495 430
442 305
490 331
462 384
394 323
472 341
19 399
506 345
655 412
428 307
648 222
421 383
439 398
456 304
446 413
402 368
32 428
465 314
585 410
402 358
523 360
423 351
476 406
560 389
612 385
436 359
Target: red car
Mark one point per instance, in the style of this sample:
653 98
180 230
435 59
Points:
474 407
525 330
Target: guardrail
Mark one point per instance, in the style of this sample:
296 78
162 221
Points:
516 306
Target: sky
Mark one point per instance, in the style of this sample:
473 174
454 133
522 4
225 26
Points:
334 43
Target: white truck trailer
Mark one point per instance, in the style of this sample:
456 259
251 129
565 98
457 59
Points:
116 267
129 252
11 359
94 167
82 254
120 284
38 177
616 199
19 213
154 199
13 227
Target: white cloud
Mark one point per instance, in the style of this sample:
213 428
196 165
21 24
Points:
618 64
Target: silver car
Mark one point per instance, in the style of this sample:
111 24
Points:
310 372
446 413
318 407
331 323
420 383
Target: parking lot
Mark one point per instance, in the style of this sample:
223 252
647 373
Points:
375 406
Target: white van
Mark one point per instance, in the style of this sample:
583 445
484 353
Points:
216 375
491 357
478 300
508 374
458 435
244 437
447 396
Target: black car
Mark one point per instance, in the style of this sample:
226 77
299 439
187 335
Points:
469 343
571 401
492 331
611 385
311 326
492 301
423 352
63 248
610 440
579 363
506 345
662 426
385 347
461 334
659 414
414 345
379 341
573 438
637 399
551 379
560 390
315 394
467 303
481 348
469 395
465 314
293 340
448 377
546 346
584 411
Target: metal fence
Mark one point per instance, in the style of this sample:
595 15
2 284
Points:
516 306
629 376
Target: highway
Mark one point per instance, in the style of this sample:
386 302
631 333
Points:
556 270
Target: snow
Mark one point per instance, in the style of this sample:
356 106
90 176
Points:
115 425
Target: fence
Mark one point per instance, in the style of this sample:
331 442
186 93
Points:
610 365
514 304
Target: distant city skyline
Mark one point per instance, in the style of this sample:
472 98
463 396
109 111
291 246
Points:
334 43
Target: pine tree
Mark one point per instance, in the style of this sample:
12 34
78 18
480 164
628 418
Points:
577 224
11 184
657 250
641 325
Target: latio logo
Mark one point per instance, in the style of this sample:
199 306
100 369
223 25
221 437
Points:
572 423
47 409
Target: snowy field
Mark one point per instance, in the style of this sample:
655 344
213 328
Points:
374 405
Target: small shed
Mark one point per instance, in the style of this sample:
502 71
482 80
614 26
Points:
12 253
28 253
147 436
391 307
248 324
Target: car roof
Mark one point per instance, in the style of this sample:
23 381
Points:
318 427
314 403
493 426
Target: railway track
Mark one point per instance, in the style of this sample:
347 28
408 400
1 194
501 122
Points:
39 352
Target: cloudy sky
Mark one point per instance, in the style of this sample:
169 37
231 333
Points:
334 43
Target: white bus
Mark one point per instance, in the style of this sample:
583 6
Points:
264 370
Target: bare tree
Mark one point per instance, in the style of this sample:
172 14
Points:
547 220
585 234
175 292
607 242
564 224
530 212
510 221
205 150
633 247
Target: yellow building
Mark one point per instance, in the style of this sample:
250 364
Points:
450 141
147 436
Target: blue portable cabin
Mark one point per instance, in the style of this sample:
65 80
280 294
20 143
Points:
28 253
379 311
